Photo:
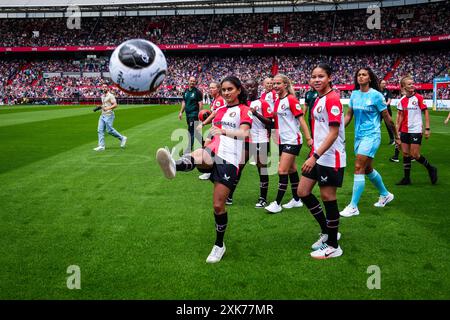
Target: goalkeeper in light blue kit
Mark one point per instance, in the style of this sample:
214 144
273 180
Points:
367 104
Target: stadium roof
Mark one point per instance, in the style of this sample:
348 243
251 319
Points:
66 3
41 8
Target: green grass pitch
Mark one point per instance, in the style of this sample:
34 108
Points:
136 235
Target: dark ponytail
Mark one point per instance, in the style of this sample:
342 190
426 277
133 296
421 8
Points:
243 96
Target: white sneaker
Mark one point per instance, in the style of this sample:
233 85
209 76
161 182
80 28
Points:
382 201
261 203
204 176
253 163
166 162
123 142
293 204
322 239
99 148
326 252
349 211
216 254
274 207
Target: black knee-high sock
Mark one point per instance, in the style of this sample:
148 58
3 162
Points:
185 163
315 208
293 177
407 166
221 226
332 211
230 196
282 186
263 184
396 151
423 161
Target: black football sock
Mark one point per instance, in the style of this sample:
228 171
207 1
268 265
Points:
293 177
282 186
230 195
263 184
396 151
423 161
185 163
407 166
315 208
221 226
332 211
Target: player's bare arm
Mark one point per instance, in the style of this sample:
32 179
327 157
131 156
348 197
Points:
348 117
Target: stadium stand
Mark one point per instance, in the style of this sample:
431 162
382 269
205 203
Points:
51 78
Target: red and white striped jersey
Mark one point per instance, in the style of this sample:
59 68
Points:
412 108
230 118
259 133
328 111
287 127
217 103
270 97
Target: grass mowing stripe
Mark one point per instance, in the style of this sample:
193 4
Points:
136 235
25 143
33 114
29 108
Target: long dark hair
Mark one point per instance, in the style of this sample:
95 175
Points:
374 82
243 96
325 67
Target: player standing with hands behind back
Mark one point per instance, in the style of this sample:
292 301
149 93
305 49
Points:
106 120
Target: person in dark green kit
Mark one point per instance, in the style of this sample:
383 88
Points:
192 103
310 98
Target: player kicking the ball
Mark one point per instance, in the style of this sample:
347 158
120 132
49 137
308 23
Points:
221 157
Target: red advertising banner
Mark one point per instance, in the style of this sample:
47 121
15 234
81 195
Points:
418 86
175 47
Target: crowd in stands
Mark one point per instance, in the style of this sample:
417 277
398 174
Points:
30 79
396 22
